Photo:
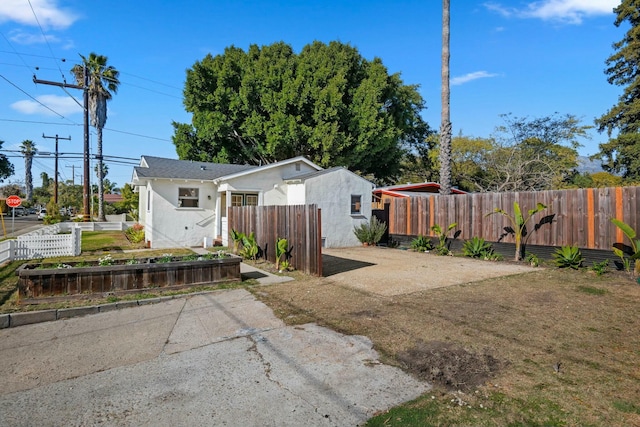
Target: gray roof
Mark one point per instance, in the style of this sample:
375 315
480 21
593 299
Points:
159 167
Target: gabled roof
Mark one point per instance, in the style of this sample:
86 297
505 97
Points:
419 189
270 166
159 167
310 175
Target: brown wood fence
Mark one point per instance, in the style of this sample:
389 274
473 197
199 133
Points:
300 225
579 217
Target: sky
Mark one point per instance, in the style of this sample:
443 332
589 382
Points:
528 58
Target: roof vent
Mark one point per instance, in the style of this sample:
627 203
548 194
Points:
203 167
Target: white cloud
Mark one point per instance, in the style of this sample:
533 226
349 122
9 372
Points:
49 14
568 11
60 104
24 38
470 77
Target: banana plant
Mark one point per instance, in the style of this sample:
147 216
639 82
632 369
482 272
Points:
282 245
237 238
635 244
518 223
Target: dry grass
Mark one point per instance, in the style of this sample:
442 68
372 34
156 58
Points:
567 344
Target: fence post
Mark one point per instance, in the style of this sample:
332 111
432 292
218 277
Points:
76 240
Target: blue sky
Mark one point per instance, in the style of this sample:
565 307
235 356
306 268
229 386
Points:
521 57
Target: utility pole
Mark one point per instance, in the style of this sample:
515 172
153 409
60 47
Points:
55 188
73 174
85 97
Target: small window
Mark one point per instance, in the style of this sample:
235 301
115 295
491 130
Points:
242 199
356 204
251 200
148 200
188 197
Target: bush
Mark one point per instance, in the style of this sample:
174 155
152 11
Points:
135 233
477 247
568 256
371 232
422 244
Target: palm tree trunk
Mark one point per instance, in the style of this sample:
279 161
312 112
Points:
28 179
101 216
445 120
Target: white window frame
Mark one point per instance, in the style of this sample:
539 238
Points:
357 205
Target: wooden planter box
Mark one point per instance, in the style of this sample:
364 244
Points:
38 283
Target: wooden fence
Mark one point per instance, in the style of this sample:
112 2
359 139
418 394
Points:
300 225
579 217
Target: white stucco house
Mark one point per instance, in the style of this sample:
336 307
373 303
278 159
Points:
183 203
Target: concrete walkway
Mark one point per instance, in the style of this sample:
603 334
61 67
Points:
220 358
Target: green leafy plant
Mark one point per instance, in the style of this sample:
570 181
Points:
532 259
518 223
135 233
568 256
476 247
105 260
284 265
442 248
237 238
422 244
250 246
600 268
626 254
370 233
165 258
282 245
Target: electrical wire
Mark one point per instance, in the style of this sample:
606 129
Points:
46 40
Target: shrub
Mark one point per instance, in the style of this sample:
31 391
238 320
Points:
250 246
532 259
477 247
633 253
135 233
422 244
518 224
600 268
568 256
442 248
371 232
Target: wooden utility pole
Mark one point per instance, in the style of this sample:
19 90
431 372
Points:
55 187
85 89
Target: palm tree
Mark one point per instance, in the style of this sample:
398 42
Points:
445 118
103 82
28 150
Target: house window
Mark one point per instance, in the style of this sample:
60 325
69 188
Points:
356 204
148 200
188 197
242 199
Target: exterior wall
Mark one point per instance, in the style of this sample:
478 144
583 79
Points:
332 193
170 226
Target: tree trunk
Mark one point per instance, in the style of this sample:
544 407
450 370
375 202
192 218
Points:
445 119
28 179
101 216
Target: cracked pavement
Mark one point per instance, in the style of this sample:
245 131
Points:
220 358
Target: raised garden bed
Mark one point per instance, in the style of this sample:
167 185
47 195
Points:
40 282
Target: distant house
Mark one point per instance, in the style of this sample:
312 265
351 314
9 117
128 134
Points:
112 198
183 202
382 195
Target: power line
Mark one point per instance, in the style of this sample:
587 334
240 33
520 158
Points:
23 91
46 40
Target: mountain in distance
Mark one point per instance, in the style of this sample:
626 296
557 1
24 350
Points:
585 164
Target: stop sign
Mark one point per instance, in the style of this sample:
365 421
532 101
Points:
14 201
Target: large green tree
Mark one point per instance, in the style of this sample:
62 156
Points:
6 168
621 154
28 150
327 103
103 83
523 155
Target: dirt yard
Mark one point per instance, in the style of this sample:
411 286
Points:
506 344
391 272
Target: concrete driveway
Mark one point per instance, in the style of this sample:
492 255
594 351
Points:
220 358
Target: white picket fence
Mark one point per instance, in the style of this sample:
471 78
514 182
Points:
49 241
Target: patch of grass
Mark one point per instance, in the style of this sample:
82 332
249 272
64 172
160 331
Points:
107 241
532 322
591 290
